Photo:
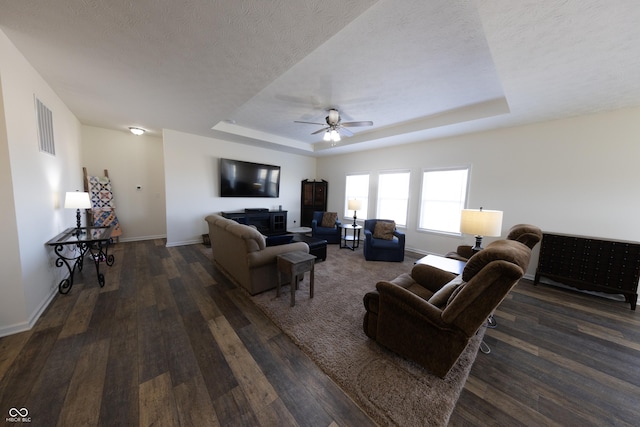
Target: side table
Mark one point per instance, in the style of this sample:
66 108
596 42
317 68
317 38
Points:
354 238
447 264
90 242
294 264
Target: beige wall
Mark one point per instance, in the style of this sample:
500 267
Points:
132 161
191 173
578 175
32 190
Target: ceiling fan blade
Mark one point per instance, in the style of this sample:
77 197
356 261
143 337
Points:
309 123
344 131
354 124
320 130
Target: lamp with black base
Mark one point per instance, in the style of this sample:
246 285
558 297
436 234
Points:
481 223
77 200
354 205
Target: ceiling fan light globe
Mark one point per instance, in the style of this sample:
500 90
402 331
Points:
327 136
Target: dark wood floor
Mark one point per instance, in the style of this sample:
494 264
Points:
168 341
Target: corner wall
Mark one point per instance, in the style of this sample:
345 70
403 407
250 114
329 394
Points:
132 161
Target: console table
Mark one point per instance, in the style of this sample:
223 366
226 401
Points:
267 222
74 244
589 263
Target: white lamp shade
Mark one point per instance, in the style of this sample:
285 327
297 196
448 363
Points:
354 205
77 200
481 222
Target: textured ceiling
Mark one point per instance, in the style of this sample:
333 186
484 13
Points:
245 70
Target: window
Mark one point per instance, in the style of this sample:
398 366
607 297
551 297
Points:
393 196
357 187
444 194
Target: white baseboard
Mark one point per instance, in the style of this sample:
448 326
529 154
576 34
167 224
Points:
184 243
25 326
141 238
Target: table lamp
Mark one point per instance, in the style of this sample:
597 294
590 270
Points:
354 205
480 223
77 200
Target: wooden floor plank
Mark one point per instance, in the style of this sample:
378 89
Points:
48 392
157 404
10 347
119 403
258 391
20 378
83 398
194 405
80 316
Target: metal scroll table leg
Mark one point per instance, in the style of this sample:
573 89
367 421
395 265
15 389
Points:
71 263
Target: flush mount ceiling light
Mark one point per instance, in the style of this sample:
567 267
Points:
137 131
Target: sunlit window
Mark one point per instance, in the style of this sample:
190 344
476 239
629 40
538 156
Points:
444 194
393 196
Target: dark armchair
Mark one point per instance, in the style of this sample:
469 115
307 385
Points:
528 234
430 315
382 241
322 231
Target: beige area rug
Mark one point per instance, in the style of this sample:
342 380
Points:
392 390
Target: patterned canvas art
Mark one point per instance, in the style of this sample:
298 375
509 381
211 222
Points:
103 206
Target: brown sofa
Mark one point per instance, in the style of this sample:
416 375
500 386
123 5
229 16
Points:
241 253
429 317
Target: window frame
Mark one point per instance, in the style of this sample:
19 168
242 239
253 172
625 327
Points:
421 201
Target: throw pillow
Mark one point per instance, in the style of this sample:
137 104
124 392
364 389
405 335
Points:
329 219
440 298
384 230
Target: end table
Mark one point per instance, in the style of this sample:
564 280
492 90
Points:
90 242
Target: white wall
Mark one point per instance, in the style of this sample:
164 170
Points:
192 181
131 161
32 189
577 176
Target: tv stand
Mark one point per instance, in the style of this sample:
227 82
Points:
269 223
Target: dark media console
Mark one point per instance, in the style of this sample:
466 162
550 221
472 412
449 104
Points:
269 223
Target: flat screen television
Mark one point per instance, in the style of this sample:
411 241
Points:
246 179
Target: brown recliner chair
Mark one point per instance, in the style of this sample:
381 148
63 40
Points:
429 317
528 234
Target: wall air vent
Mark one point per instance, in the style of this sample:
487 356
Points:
45 128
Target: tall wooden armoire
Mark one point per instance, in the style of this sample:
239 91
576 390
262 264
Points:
313 198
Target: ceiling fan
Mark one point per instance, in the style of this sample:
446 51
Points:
335 126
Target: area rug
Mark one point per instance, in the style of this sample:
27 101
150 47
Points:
328 328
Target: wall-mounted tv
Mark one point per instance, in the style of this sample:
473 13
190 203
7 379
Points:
246 179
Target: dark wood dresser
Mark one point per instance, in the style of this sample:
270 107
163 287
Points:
590 263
